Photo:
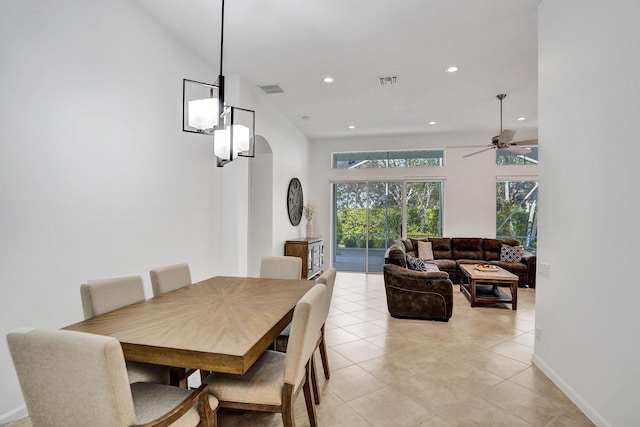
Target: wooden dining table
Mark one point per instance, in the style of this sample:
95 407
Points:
222 324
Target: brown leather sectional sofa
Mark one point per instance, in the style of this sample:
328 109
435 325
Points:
449 252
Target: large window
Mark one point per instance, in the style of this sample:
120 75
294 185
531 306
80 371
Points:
368 216
388 159
517 212
506 157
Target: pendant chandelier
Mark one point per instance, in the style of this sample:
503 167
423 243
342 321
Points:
204 111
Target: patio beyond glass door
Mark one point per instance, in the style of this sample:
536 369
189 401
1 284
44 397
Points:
424 213
367 218
384 221
350 226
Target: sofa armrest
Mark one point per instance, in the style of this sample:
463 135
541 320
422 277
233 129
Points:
530 260
418 281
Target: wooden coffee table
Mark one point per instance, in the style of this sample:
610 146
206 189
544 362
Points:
483 287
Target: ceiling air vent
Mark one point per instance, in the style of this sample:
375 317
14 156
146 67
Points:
271 89
388 80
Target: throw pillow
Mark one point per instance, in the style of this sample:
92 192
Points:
510 253
425 252
418 264
415 264
431 267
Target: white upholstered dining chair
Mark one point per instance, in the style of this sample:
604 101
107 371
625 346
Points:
169 278
275 380
105 295
328 278
281 267
71 378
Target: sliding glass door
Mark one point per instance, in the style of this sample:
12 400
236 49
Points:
368 216
350 226
384 221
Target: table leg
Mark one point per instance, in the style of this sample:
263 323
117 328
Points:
178 377
472 288
514 295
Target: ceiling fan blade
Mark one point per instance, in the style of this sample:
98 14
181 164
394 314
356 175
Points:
478 152
506 136
470 146
526 142
519 150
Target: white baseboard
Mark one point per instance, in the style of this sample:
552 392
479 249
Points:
587 409
13 415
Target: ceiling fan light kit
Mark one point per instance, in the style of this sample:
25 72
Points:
504 139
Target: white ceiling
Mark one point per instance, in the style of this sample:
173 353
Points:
296 43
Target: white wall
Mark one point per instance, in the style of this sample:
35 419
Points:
96 177
587 308
470 183
290 150
261 205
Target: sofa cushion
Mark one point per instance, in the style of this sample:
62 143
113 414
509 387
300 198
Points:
441 247
511 242
414 243
467 248
408 245
491 249
510 253
425 251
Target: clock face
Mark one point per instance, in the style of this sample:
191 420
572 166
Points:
294 201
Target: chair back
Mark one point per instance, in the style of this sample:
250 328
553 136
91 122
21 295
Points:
169 278
328 278
105 295
72 378
305 332
281 267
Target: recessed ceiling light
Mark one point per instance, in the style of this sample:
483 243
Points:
452 69
305 117
328 79
432 123
522 118
351 127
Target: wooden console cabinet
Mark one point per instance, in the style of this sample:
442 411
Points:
312 253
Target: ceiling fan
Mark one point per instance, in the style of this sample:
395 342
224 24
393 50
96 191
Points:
504 140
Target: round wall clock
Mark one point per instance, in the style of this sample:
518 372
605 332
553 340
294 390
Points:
294 201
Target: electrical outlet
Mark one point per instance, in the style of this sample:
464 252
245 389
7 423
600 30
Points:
545 269
538 332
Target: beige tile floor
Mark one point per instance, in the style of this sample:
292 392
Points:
475 370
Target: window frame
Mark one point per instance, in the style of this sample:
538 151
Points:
386 159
